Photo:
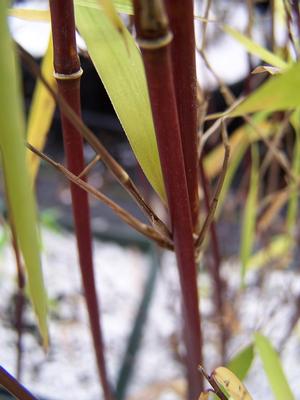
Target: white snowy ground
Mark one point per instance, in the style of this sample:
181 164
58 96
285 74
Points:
68 372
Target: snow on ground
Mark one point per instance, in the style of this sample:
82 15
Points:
68 371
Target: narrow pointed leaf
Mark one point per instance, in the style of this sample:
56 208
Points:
41 112
20 197
255 49
278 250
273 368
122 73
280 92
241 362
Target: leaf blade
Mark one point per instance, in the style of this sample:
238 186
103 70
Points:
121 71
20 198
273 368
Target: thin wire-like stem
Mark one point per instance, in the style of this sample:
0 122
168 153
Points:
154 39
231 102
19 301
115 168
14 387
215 199
67 72
204 23
181 17
90 166
219 295
142 228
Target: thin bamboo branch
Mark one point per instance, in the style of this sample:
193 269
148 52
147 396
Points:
90 166
142 228
154 39
230 101
119 173
219 285
67 72
204 23
214 202
181 17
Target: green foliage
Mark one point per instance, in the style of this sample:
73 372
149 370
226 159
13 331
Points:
273 368
22 210
255 49
280 92
121 70
241 362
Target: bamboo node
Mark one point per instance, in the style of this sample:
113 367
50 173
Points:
153 44
67 77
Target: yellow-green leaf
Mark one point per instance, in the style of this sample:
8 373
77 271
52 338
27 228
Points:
41 112
255 49
122 73
249 218
20 196
279 248
280 92
232 385
273 368
30 14
241 362
122 6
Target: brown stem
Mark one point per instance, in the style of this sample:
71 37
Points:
115 168
215 271
14 387
154 40
146 230
67 72
181 16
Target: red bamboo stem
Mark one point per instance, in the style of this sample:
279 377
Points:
68 72
14 387
181 16
154 40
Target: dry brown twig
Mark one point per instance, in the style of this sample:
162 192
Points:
215 199
115 168
144 229
231 101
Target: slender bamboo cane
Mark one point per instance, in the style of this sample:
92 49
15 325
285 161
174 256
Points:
154 39
14 387
67 73
181 16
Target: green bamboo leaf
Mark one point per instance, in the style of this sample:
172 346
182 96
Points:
278 249
273 368
122 6
280 92
41 112
241 362
292 210
255 49
20 197
122 73
248 229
